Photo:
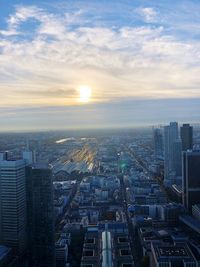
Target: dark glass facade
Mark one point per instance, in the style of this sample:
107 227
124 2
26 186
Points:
186 137
191 179
40 216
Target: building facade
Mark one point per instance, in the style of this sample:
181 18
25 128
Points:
186 132
170 137
158 143
40 216
191 181
13 217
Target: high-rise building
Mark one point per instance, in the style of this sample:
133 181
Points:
40 215
158 143
191 178
13 204
170 137
177 152
186 132
28 156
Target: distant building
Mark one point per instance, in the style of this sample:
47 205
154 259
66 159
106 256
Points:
40 215
158 143
13 205
28 156
191 181
186 132
4 155
170 137
170 213
177 151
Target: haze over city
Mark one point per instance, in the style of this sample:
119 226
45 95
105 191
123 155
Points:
87 64
99 133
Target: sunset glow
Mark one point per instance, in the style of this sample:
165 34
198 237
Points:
84 94
66 60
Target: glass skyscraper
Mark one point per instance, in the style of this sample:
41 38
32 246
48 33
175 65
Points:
170 137
186 137
13 217
191 178
40 215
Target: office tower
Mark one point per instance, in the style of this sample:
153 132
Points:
177 152
186 137
158 143
28 156
40 211
3 156
191 179
13 204
170 137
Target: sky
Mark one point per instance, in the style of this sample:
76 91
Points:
140 59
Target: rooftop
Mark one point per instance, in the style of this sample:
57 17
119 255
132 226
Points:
42 166
173 251
177 252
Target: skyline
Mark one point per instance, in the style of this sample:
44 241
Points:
140 59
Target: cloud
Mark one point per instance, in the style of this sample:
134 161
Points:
23 13
149 14
8 32
55 93
48 23
44 65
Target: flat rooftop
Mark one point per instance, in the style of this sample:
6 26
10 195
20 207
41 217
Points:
41 166
178 251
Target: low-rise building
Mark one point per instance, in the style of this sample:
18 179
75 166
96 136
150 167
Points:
166 255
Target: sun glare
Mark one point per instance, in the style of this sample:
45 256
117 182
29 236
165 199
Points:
84 94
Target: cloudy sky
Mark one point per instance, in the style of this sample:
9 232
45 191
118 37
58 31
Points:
140 59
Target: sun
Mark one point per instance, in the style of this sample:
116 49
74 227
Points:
85 93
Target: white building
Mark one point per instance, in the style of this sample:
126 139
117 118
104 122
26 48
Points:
13 205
